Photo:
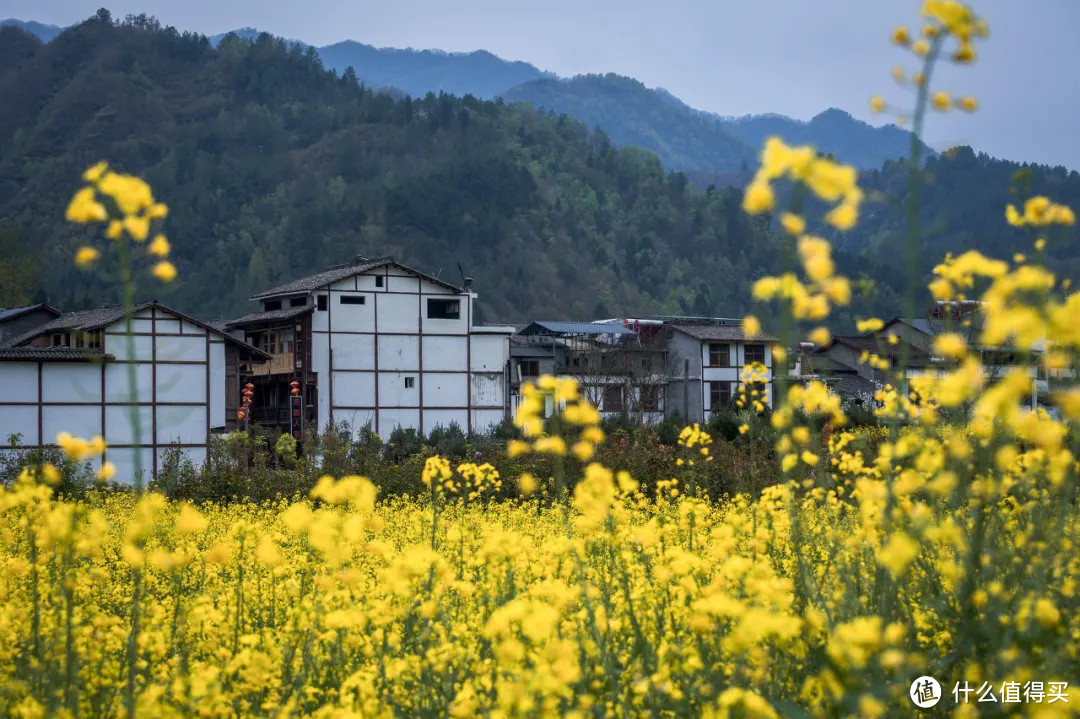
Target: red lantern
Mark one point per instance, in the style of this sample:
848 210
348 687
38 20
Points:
240 415
295 391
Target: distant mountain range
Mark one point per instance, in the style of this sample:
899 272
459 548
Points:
709 147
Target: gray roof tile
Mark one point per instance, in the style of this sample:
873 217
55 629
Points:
51 354
340 272
720 333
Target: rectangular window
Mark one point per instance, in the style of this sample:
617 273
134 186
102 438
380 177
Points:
443 309
755 353
320 303
719 355
530 368
650 398
298 302
271 305
613 399
378 280
719 395
410 382
352 299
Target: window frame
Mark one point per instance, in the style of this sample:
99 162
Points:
756 347
609 389
716 395
352 299
410 382
522 364
433 302
715 353
321 303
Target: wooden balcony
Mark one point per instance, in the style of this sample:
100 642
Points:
282 363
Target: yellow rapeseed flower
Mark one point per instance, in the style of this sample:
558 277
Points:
86 256
164 271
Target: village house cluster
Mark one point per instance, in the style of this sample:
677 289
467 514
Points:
374 343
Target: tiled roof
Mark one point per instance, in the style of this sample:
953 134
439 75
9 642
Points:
7 313
575 328
51 354
270 316
720 333
88 320
341 272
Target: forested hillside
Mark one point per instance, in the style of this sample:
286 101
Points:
273 167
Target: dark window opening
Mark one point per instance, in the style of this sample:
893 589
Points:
271 305
60 340
646 364
320 303
719 355
352 299
755 353
650 398
719 395
298 302
530 368
378 280
443 309
410 382
613 399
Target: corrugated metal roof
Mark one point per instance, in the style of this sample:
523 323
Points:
575 328
341 272
720 333
52 354
284 313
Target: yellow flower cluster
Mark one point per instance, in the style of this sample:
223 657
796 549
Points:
1039 211
126 205
574 416
830 181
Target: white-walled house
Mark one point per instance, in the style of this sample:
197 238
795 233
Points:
70 374
372 342
707 363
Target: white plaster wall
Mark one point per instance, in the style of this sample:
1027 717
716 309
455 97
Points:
181 425
80 421
320 365
356 419
399 352
715 374
366 282
117 346
124 459
392 390
445 353
116 382
444 417
181 382
391 418
319 320
489 352
483 420
169 324
445 326
19 419
118 426
190 327
398 313
353 351
445 390
352 318
181 348
353 389
20 380
217 384
71 382
487 390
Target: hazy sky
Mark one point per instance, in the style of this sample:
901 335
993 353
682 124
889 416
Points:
795 57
